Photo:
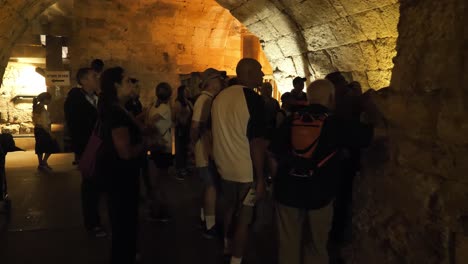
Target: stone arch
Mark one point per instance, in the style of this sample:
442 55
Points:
310 38
16 16
315 37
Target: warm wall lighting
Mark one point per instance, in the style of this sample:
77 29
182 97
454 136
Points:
22 79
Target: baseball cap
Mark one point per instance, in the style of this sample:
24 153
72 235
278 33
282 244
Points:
211 73
299 80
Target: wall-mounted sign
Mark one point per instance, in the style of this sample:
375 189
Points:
60 78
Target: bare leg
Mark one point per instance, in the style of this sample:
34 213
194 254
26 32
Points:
210 200
228 215
240 239
46 158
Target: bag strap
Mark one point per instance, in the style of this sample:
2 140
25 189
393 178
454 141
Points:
97 127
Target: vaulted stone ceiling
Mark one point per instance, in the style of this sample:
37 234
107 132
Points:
315 37
308 38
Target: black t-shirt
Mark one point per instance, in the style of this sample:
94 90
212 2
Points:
298 95
320 189
271 110
113 117
256 127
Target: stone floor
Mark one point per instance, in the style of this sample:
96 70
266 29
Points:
45 224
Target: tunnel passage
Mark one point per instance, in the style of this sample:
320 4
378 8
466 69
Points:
412 202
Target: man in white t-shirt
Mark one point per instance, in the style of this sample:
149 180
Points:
213 81
238 127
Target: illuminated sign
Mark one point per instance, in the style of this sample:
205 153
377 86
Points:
59 78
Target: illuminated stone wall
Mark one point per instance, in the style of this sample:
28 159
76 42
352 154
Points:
156 40
412 201
315 37
19 79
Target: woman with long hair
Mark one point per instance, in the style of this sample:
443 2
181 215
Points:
45 144
183 110
119 162
159 123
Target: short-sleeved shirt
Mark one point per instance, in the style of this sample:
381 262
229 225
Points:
41 118
298 95
272 108
202 114
163 125
114 117
238 116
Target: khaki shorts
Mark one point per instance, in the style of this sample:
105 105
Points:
233 194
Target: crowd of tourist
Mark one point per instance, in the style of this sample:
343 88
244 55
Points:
240 143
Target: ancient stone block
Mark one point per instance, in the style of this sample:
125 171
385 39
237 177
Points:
391 15
320 37
312 13
385 52
290 45
273 51
348 58
372 24
379 78
282 24
346 31
321 63
285 66
369 53
246 13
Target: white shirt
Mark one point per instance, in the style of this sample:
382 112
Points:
202 114
163 125
235 120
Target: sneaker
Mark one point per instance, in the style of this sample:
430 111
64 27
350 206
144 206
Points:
98 232
210 233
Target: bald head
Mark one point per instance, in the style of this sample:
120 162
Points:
321 92
249 73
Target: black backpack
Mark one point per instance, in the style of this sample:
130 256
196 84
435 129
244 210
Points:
305 131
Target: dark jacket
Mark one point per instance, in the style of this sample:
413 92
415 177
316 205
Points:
320 189
80 116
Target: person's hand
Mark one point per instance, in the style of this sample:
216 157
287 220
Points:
260 190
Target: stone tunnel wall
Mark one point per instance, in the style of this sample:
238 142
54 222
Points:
315 37
411 204
156 40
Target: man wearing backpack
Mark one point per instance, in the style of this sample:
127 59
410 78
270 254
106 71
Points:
307 151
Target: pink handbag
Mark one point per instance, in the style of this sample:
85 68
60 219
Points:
87 164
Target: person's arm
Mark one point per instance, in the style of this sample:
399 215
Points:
195 132
256 133
200 115
121 140
155 118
